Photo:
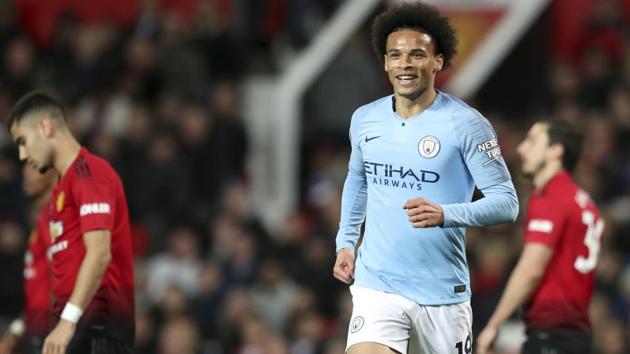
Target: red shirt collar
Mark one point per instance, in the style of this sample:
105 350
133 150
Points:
559 178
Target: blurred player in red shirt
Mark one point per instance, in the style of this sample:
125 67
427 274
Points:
554 277
91 258
28 331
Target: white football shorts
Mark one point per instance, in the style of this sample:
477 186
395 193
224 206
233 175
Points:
407 327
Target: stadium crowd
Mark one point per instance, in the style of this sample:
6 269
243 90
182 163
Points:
159 99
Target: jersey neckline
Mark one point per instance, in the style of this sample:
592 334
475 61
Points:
432 106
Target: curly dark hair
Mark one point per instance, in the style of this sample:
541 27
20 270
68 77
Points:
420 16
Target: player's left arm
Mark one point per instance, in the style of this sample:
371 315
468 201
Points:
524 280
481 152
482 155
93 267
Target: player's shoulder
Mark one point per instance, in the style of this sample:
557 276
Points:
460 111
560 193
374 108
88 165
568 189
546 207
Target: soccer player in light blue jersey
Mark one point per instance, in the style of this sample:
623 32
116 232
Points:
417 156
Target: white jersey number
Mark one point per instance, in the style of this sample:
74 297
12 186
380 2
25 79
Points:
591 241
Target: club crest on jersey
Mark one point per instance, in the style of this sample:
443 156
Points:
429 147
60 199
357 324
56 229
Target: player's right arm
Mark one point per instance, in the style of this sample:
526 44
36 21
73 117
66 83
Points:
95 263
523 282
97 258
353 207
543 232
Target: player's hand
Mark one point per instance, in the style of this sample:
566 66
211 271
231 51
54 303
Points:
486 339
424 213
344 266
8 344
58 340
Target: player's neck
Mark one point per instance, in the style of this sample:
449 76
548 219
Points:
68 149
407 107
545 175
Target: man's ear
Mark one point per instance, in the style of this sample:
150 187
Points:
557 151
47 126
385 66
440 63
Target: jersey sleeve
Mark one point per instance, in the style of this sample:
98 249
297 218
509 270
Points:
480 150
354 196
94 197
482 155
499 205
545 222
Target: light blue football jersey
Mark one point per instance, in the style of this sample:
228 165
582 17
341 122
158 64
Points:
439 154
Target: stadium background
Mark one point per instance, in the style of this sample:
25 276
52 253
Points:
162 89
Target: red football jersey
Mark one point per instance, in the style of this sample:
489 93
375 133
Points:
90 196
563 217
37 295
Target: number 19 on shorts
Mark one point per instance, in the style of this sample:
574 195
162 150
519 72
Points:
464 347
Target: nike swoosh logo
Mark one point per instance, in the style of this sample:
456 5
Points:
367 140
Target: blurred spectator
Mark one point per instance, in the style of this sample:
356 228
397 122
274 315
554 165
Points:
308 332
145 342
241 266
312 272
228 136
330 102
207 304
13 204
273 295
179 336
163 187
141 79
178 267
11 261
107 112
18 66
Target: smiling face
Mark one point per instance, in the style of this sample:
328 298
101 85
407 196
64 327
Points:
31 136
411 62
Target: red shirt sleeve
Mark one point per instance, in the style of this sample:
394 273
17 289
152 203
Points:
94 197
545 221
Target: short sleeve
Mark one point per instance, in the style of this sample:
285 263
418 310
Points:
545 222
94 197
